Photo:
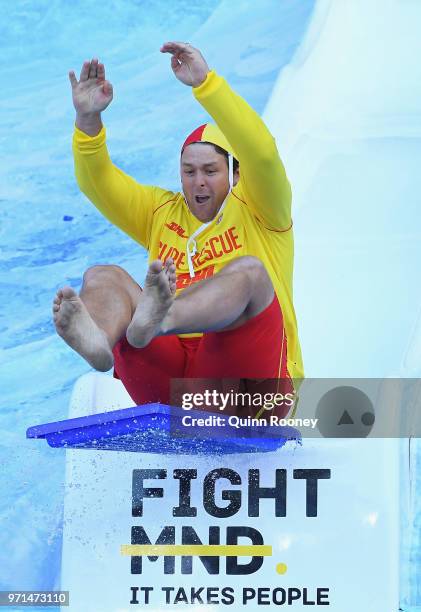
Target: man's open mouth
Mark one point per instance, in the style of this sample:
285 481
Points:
201 199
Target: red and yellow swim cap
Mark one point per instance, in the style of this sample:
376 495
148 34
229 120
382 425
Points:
208 132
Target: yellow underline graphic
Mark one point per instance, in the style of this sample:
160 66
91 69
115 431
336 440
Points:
195 550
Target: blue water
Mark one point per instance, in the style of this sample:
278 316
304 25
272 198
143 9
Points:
50 234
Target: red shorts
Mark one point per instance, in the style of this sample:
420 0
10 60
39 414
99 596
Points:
256 350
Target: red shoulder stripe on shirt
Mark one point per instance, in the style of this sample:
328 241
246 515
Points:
257 218
161 205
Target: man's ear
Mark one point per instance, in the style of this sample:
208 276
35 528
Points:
236 176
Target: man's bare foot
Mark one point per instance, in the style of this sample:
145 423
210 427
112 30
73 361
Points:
156 300
75 325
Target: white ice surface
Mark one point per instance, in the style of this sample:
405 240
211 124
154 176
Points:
347 116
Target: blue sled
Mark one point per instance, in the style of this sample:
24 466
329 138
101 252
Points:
157 428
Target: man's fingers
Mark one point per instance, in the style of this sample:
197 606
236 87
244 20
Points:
174 62
101 71
107 88
176 47
90 70
72 78
174 43
84 73
93 69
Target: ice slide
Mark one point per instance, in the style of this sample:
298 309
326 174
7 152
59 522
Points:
353 539
343 114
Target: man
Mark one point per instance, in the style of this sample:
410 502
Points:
221 256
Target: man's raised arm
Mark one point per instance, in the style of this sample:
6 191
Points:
126 203
262 173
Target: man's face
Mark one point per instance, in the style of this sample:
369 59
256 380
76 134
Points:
204 176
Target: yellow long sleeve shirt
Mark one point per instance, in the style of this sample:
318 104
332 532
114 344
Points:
256 219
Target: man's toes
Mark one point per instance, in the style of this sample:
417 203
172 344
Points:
68 293
156 266
170 269
167 265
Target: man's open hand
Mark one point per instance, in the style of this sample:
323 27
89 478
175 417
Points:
92 93
187 63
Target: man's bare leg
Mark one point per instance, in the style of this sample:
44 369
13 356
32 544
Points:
239 292
93 322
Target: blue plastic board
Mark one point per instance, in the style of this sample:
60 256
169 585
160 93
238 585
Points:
157 428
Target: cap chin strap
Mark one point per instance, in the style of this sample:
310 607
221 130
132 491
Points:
191 246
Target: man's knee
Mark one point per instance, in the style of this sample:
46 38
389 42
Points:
250 265
111 278
103 273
